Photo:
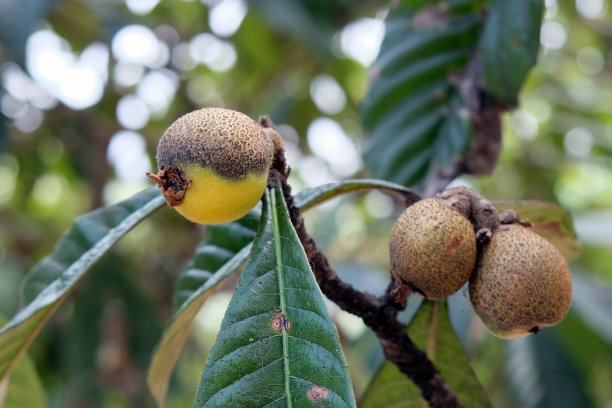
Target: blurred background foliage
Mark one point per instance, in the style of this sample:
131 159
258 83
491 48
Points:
87 89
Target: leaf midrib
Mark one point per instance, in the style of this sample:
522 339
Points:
281 290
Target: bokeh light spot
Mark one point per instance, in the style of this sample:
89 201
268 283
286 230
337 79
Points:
327 94
136 43
127 154
525 124
578 142
9 169
590 60
591 9
77 82
218 55
360 40
12 107
132 112
127 74
201 88
552 35
30 120
157 89
48 189
226 16
378 205
141 7
328 140
181 57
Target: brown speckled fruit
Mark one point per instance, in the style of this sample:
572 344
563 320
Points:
213 165
521 283
432 249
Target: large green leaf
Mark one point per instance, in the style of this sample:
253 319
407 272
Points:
426 110
277 346
543 374
23 387
431 330
509 46
548 220
415 115
52 279
221 252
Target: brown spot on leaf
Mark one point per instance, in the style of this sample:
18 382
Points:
316 393
286 324
277 323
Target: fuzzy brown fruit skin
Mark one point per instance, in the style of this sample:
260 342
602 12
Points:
228 142
521 283
432 249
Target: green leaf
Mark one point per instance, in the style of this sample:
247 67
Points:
431 330
277 346
51 280
592 299
552 381
548 220
23 387
589 354
219 245
426 110
312 197
175 335
415 115
221 252
509 46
